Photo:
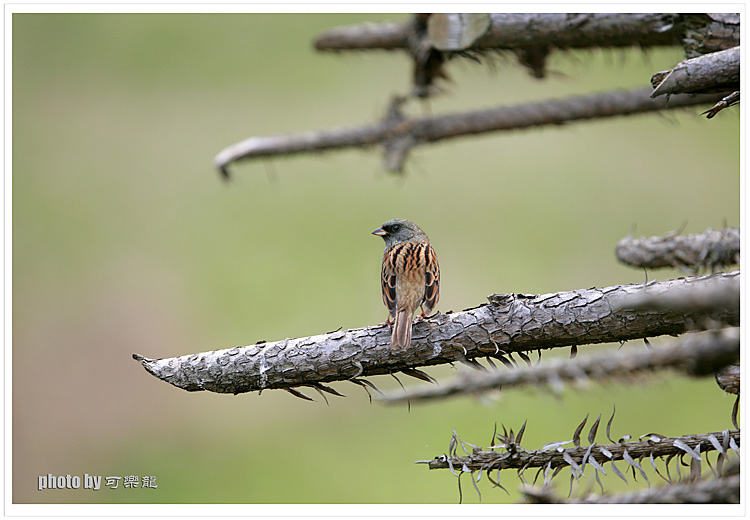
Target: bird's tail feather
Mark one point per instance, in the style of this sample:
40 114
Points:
401 335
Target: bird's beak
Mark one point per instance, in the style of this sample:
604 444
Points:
379 232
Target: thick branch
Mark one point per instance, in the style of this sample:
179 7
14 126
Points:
509 323
695 354
713 491
562 30
689 253
518 458
399 133
513 31
715 72
724 294
709 32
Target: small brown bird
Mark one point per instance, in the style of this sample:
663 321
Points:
410 276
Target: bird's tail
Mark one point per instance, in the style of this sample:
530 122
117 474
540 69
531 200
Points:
401 335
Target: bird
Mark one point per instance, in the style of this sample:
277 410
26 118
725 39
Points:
410 277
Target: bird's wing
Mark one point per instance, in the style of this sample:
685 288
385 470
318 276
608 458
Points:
431 279
388 282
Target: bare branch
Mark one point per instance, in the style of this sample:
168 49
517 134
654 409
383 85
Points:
724 294
518 458
513 31
366 36
696 354
562 30
726 102
689 253
714 491
402 133
509 323
715 72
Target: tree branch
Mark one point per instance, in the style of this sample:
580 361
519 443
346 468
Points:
724 294
400 133
694 354
517 458
710 73
508 323
512 31
711 491
689 253
728 379
709 32
726 102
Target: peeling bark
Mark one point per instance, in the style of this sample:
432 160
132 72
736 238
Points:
508 323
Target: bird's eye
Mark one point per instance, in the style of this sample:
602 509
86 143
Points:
395 227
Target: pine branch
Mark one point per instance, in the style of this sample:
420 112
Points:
399 133
689 253
710 491
653 446
508 323
695 354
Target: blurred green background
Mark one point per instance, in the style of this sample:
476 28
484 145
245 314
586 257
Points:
126 240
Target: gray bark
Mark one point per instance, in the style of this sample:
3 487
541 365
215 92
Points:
399 133
723 294
508 323
695 354
512 31
713 491
710 73
689 253
709 32
561 30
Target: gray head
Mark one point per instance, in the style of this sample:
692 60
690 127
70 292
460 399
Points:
400 230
